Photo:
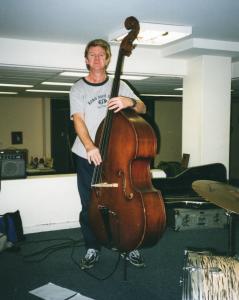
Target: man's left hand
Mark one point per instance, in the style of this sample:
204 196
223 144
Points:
118 103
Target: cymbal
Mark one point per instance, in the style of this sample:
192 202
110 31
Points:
222 194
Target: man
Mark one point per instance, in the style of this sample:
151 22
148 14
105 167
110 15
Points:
89 101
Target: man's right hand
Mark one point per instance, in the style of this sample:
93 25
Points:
93 155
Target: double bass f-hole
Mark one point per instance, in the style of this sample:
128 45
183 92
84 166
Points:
124 185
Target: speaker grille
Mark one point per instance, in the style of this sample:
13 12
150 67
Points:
13 169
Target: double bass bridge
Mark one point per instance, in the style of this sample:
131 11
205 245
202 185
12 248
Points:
105 184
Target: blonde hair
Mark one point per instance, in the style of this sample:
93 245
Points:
101 43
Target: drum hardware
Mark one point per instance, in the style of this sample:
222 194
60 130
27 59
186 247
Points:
212 269
231 234
225 196
206 276
209 277
215 270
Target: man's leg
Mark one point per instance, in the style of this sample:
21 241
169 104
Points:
84 176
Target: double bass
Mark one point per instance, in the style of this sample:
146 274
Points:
125 212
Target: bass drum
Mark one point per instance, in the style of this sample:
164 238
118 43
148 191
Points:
209 277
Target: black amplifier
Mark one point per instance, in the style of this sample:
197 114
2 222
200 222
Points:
13 163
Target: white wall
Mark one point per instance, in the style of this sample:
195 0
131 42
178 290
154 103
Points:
206 110
45 202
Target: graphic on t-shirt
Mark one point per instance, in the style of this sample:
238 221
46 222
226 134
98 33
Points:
101 100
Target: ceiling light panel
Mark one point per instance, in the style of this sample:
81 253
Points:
57 83
73 74
48 91
154 34
131 77
16 85
160 95
8 93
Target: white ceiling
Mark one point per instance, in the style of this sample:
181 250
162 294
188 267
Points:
78 21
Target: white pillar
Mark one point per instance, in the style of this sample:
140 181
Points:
206 110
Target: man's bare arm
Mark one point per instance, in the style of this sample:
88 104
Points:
93 154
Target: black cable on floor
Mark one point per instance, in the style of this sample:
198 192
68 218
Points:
42 254
91 274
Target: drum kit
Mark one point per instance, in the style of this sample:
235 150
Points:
207 276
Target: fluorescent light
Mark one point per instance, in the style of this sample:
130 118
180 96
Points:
9 93
160 95
80 74
57 83
178 89
155 34
73 74
16 85
131 77
48 91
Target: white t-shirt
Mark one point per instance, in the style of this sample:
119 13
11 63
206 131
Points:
91 100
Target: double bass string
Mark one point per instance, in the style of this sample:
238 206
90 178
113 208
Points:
105 135
103 145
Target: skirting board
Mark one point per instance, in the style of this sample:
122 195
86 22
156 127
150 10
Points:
50 227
